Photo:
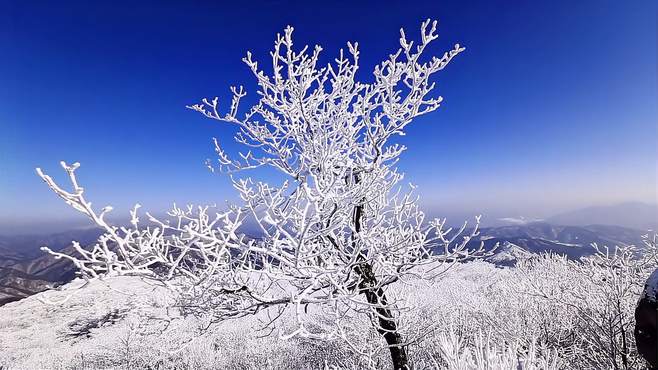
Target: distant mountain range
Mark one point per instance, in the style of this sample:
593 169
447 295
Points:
539 237
633 215
26 270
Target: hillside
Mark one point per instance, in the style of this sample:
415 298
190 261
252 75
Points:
539 237
25 270
633 215
122 324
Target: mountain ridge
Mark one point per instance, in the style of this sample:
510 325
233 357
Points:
25 270
635 215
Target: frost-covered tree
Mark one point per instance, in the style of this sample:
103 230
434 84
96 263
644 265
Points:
596 299
646 315
334 235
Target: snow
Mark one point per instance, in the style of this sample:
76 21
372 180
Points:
471 298
508 254
519 220
35 335
561 243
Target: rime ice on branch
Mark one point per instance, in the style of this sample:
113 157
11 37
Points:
335 234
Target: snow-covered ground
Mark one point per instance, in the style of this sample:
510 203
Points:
475 315
119 323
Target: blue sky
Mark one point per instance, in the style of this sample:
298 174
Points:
552 106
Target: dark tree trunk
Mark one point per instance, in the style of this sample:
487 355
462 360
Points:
387 326
375 295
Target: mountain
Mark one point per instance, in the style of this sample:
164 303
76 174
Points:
28 245
634 215
538 237
507 254
26 270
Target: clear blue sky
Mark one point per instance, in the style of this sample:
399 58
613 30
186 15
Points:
552 106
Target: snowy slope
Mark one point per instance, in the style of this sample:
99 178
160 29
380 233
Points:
118 325
508 254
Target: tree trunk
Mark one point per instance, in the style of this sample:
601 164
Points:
387 326
375 295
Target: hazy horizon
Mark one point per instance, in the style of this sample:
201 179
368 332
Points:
566 119
455 217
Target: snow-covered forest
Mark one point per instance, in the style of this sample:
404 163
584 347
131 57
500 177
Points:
548 313
344 270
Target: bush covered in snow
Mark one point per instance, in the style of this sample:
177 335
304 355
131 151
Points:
548 313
